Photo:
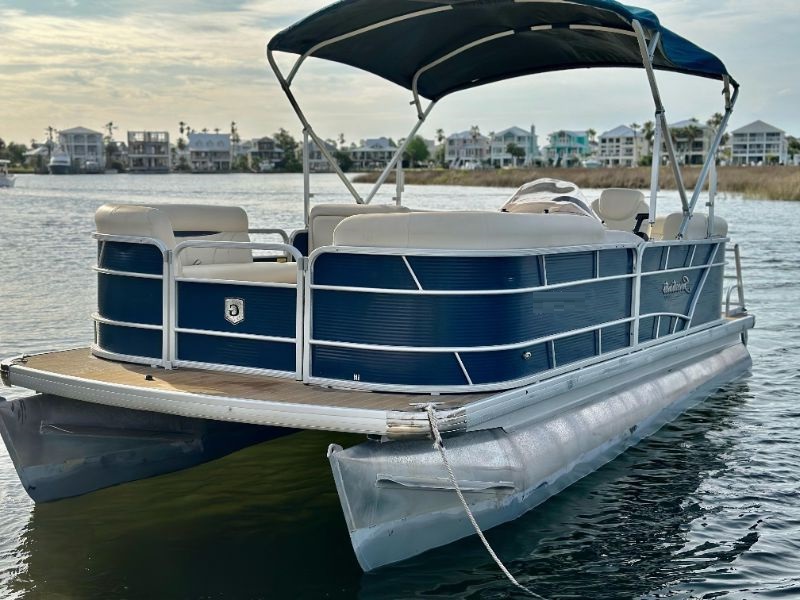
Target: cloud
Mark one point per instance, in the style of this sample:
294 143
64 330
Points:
152 63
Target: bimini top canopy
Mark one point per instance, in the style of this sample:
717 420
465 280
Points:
436 47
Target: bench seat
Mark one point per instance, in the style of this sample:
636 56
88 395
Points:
258 272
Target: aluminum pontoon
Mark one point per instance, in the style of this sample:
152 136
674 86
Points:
541 341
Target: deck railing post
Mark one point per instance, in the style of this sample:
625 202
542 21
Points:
306 178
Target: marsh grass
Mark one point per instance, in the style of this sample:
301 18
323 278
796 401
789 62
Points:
772 183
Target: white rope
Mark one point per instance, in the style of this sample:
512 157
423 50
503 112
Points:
439 445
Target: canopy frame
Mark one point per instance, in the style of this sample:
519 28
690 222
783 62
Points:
647 51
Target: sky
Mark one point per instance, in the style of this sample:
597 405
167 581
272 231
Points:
150 64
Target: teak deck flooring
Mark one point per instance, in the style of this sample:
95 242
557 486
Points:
81 363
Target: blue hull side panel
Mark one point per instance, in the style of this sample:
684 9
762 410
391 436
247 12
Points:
130 341
267 311
256 354
130 299
135 258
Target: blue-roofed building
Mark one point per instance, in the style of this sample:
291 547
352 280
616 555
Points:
527 140
568 148
373 153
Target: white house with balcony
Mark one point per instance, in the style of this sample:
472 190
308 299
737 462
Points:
467 149
526 140
85 147
210 152
759 143
373 153
621 147
692 140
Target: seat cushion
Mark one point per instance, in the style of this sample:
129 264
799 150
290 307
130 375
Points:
667 227
262 272
324 218
468 230
618 208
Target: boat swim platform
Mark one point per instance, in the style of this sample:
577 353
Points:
223 395
265 400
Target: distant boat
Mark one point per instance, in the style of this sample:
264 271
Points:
92 167
6 180
59 163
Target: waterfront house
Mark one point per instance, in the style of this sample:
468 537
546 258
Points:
526 140
83 146
467 149
209 152
692 140
759 143
263 154
373 153
149 152
316 161
568 148
621 147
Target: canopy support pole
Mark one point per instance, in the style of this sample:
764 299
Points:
306 178
655 169
398 153
711 158
285 86
660 114
712 196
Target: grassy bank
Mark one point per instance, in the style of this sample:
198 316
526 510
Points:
772 183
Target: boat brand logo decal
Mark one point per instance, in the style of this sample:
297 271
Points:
676 287
234 310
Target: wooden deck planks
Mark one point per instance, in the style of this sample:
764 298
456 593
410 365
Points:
81 363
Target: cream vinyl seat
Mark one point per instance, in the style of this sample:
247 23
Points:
174 223
470 230
324 218
618 207
667 227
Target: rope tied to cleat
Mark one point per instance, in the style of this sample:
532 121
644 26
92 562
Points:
438 444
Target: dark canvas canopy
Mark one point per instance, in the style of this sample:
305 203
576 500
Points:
524 37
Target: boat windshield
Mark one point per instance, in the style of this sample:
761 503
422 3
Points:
549 196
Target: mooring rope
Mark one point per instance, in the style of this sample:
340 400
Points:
439 445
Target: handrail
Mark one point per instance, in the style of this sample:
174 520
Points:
166 275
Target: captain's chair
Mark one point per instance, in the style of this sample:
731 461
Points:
621 208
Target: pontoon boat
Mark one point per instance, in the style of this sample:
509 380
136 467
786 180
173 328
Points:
540 341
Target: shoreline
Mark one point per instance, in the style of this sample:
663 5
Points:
767 183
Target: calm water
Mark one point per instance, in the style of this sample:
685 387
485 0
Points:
707 508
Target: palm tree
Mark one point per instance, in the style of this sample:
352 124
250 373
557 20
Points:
692 133
216 130
341 140
182 127
440 136
591 133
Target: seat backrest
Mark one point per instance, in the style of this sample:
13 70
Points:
468 230
175 223
618 208
324 218
209 223
667 227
